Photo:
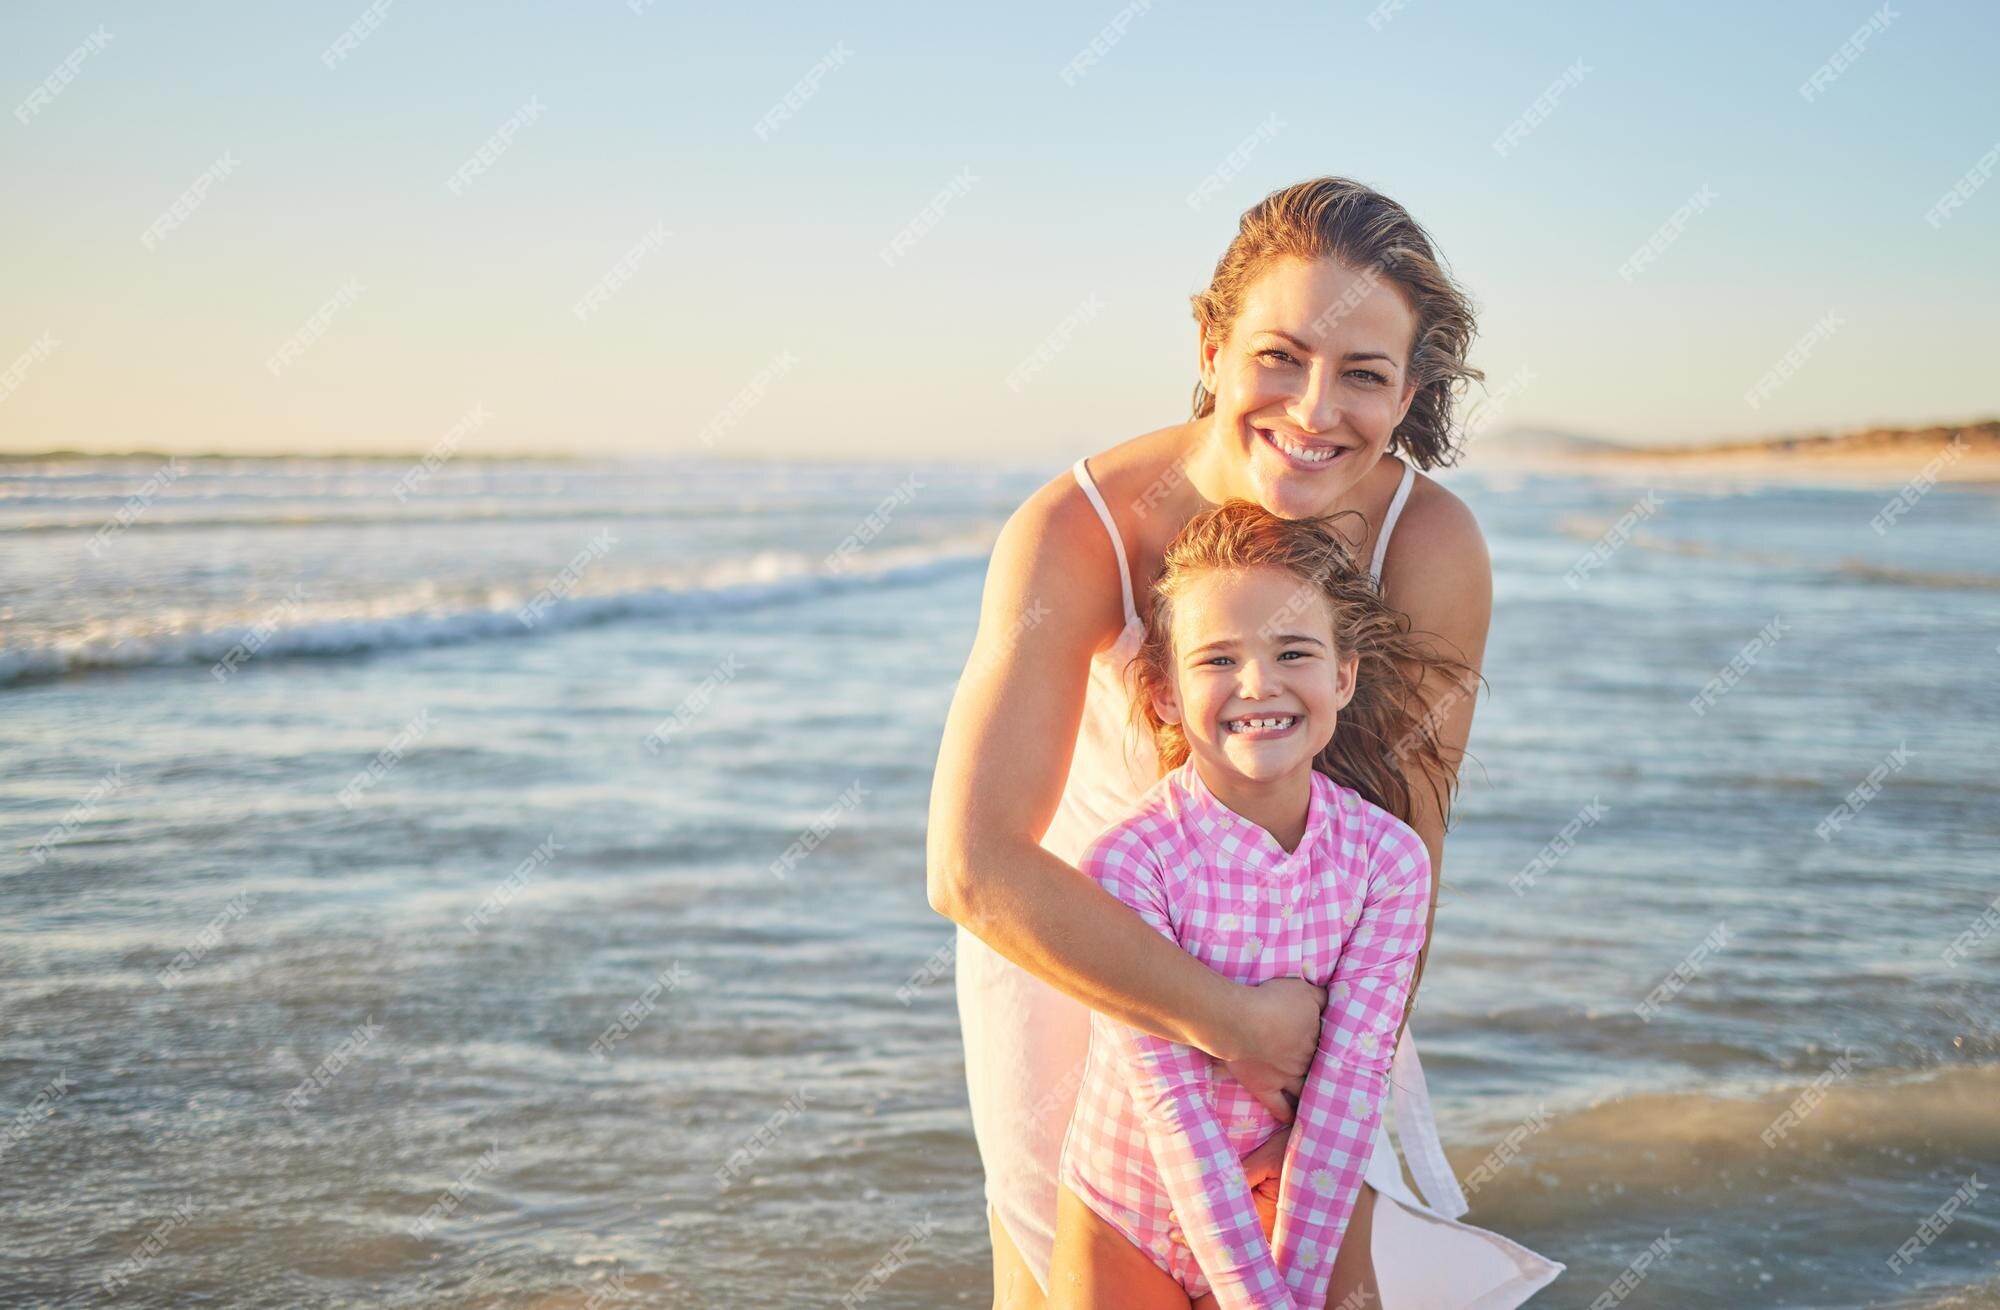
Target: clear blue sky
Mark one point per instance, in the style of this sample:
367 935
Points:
1081 190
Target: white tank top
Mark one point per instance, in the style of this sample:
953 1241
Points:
1114 763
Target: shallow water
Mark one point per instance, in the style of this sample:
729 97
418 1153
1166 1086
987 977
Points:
166 800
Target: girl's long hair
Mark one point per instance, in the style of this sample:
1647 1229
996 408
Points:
1387 734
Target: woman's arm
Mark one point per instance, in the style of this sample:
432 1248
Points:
1001 765
1440 575
1334 1136
1170 1084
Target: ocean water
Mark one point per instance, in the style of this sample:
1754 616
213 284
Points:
362 943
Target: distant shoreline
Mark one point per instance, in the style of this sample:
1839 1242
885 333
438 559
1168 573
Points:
1888 457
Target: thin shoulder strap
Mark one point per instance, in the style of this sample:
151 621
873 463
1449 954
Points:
1124 578
1389 520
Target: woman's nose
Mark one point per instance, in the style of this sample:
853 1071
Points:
1318 409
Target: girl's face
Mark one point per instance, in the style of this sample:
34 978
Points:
1255 644
1312 380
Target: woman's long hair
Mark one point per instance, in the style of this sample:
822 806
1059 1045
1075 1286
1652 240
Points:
1387 734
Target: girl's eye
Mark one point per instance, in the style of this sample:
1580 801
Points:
1300 653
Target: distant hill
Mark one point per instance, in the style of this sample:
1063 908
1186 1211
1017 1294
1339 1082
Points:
1968 452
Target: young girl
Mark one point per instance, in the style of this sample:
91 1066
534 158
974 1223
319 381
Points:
1284 697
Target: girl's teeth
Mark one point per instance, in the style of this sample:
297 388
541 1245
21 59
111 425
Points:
1239 725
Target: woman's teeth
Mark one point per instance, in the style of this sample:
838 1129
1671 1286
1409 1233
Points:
1296 451
1255 725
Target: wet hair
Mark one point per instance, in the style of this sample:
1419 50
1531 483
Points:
1386 734
1336 218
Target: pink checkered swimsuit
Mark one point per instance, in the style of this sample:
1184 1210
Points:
1159 1125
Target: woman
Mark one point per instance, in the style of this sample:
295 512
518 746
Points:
1331 348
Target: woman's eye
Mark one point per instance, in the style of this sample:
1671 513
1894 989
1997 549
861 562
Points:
1368 375
1276 354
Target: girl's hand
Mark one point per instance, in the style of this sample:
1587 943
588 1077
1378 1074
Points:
1262 1169
1280 1027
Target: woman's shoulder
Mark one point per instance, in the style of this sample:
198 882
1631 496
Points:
1437 569
1058 534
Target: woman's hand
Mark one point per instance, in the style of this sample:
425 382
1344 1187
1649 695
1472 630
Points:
1262 1169
1280 1030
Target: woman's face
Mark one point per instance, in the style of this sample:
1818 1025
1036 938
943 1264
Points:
1255 644
1311 381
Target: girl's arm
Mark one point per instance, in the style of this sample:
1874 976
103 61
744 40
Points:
1000 771
1334 1134
1170 1085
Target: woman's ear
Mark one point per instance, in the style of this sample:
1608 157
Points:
1409 397
1204 361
